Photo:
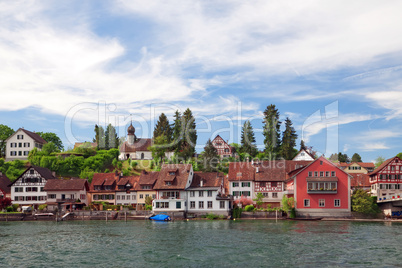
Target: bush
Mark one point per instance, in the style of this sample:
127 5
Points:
15 207
249 208
148 207
134 164
237 212
42 207
10 209
211 216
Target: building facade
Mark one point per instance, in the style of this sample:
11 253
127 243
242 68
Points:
5 190
67 194
223 148
19 144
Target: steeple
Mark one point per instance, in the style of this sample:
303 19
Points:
131 134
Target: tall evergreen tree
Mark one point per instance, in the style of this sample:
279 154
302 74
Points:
248 140
271 131
101 138
302 145
356 158
111 138
288 140
96 139
177 132
210 157
190 135
163 128
343 158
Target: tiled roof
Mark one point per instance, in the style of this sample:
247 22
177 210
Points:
139 145
147 178
181 177
44 172
100 178
73 184
4 183
241 171
33 135
360 180
384 164
132 180
209 179
362 164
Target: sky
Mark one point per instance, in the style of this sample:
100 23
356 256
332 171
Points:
334 68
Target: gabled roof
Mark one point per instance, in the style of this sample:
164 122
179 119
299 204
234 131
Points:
277 170
360 180
33 135
181 177
362 164
4 183
383 165
73 184
100 179
139 145
147 178
241 171
209 179
132 180
321 158
305 151
43 172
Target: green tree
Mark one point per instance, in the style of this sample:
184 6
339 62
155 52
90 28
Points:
258 199
288 205
163 128
5 132
356 158
50 148
101 138
333 157
210 157
177 132
189 140
96 130
271 131
111 138
159 147
343 158
52 137
248 140
302 145
379 160
288 140
362 202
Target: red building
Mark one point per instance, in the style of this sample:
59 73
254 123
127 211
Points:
5 190
223 148
320 189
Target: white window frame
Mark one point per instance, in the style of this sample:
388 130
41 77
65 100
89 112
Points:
339 203
321 203
306 203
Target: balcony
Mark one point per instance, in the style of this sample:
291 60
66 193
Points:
65 200
322 191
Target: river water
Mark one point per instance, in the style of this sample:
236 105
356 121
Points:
259 243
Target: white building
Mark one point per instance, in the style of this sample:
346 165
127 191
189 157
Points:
241 179
303 155
125 192
206 194
28 189
68 193
19 144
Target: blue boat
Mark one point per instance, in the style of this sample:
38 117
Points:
160 217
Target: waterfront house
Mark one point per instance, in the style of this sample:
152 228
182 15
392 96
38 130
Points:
386 180
207 194
173 180
270 178
28 189
320 189
103 188
223 148
357 167
241 179
5 190
19 144
66 193
145 186
125 192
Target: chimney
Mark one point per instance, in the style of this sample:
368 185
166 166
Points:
201 183
257 169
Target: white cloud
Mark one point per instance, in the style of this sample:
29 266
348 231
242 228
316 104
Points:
374 146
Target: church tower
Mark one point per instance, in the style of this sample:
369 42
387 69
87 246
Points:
131 134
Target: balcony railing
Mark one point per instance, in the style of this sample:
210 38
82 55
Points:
65 200
322 191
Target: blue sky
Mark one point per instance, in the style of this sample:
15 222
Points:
69 65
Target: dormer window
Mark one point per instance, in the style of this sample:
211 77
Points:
168 183
172 173
31 171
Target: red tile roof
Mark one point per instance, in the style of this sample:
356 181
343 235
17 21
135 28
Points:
384 164
362 164
139 145
73 184
209 179
33 135
241 171
100 178
180 177
123 181
4 183
147 178
360 180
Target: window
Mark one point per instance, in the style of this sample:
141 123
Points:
274 195
221 204
27 144
20 144
262 184
310 174
333 174
192 193
201 204
236 193
274 184
321 163
201 193
315 174
235 184
153 196
245 184
321 203
178 205
171 173
168 183
306 203
209 193
209 204
147 195
337 203
127 197
13 153
18 189
265 195
245 193
82 197
302 154
392 168
192 204
326 173
51 196
321 173
146 187
42 189
123 197
26 153
141 196
19 153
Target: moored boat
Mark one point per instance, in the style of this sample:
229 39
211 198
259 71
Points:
160 217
